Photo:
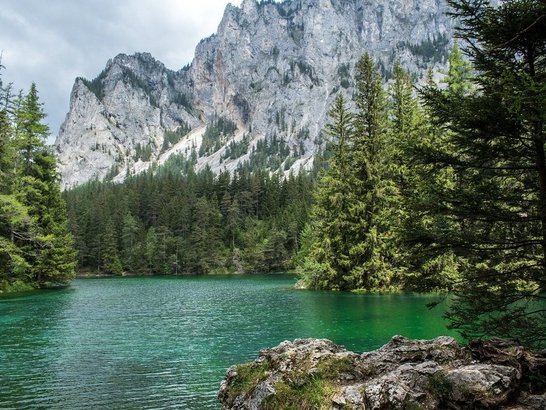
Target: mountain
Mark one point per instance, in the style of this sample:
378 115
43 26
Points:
257 92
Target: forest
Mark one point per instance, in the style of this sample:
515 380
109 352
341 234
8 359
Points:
174 222
437 188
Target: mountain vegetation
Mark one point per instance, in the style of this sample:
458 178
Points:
443 189
175 221
35 244
446 192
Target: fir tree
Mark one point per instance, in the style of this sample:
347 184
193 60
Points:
52 253
369 249
412 134
35 244
352 220
111 263
491 209
327 261
459 74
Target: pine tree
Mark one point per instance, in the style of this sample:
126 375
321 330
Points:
15 223
371 185
327 261
459 74
152 250
52 254
410 135
352 218
111 263
491 209
130 243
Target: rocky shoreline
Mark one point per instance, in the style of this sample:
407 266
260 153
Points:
403 374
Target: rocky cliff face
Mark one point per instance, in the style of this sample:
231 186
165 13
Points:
403 374
272 70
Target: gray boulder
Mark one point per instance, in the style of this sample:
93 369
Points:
403 374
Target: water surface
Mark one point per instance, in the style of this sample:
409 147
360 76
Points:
165 342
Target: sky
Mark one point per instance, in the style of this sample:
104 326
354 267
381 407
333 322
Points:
51 42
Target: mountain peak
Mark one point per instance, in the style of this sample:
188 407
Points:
269 75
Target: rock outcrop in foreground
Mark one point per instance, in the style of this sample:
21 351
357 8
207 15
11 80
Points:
403 374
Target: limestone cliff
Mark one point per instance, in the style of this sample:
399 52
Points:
272 69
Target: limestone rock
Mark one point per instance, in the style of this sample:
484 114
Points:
273 68
424 374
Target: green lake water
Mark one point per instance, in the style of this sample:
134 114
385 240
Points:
166 342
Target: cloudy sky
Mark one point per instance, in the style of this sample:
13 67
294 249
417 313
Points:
51 42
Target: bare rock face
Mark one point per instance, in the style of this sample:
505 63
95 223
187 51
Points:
403 374
272 68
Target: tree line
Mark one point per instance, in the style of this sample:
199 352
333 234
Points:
178 221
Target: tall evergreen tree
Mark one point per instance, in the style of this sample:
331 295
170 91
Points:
111 263
459 74
371 185
52 253
352 217
411 133
492 204
327 261
35 245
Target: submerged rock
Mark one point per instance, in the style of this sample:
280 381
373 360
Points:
403 374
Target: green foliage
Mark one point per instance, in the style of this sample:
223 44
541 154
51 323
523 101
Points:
332 367
131 79
344 73
305 69
237 149
173 222
431 50
459 75
248 376
311 394
268 153
185 101
35 246
172 137
352 213
143 153
487 203
15 286
95 85
218 130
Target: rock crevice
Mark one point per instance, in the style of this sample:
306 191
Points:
403 374
273 68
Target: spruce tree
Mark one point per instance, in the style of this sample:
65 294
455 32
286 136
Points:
352 220
15 223
459 74
111 263
327 261
411 134
491 209
369 248
52 256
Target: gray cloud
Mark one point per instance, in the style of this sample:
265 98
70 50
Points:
51 42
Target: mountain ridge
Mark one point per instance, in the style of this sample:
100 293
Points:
270 71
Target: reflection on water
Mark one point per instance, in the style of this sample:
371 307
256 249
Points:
167 341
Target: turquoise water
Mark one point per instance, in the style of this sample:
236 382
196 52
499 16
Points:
166 341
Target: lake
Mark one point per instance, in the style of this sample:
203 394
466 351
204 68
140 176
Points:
160 342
